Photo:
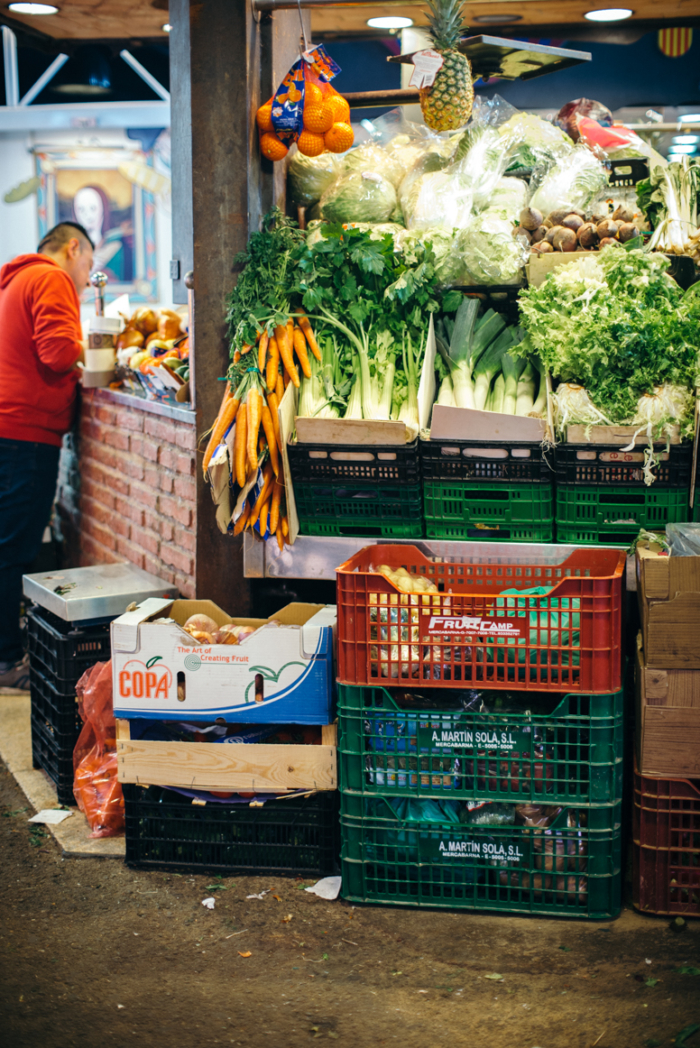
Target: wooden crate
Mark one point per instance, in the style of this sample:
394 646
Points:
239 767
667 736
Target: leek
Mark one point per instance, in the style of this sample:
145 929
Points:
447 394
512 370
498 394
526 391
460 352
539 408
489 364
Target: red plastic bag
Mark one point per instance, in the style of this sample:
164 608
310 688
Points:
97 791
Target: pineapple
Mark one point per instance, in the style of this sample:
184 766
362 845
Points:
447 104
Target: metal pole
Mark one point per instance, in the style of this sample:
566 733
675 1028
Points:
147 77
43 80
189 284
9 55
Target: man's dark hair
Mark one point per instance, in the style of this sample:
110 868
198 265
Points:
61 234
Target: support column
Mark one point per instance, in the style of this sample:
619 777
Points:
223 59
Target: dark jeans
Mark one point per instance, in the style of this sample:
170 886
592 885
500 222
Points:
28 475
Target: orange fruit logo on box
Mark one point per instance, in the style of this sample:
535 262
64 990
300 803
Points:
141 680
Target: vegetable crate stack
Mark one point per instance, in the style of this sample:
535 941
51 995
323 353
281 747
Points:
225 738
666 828
481 730
59 654
498 485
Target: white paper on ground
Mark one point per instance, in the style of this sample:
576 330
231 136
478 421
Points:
327 888
210 903
50 816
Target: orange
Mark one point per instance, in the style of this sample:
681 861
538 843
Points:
264 117
313 95
310 144
341 109
318 119
339 138
273 147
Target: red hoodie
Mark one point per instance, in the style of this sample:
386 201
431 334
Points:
40 336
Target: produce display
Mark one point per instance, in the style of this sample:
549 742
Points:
153 340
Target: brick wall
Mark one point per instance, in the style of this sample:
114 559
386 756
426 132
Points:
137 490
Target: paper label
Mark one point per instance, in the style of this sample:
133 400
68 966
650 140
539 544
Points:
425 68
461 737
443 849
459 625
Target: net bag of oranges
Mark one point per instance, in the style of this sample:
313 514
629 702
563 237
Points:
306 109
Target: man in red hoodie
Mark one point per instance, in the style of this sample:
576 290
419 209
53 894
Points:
40 346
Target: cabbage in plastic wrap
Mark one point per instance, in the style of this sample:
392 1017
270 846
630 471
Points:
361 196
490 251
308 177
572 183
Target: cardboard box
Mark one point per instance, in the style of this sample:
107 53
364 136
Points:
621 436
667 736
160 672
239 767
539 267
668 590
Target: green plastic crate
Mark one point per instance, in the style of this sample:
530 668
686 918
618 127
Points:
568 535
571 868
377 510
598 510
569 750
490 503
483 533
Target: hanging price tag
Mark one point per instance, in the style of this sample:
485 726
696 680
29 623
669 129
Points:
425 66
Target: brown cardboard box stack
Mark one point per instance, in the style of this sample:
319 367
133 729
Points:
667 672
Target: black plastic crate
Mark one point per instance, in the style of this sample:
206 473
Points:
295 835
607 465
476 460
397 463
56 725
64 650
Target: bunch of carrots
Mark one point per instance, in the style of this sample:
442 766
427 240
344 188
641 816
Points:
254 390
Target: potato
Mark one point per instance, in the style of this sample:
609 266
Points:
588 236
607 228
530 218
564 239
627 231
573 222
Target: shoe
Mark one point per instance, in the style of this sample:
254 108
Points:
15 677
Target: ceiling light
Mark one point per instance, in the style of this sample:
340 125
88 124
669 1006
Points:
689 118
166 28
33 9
497 19
685 140
681 149
390 22
609 14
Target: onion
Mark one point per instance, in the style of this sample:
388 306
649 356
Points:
588 236
606 241
551 233
623 214
627 231
201 622
607 228
573 222
543 248
530 218
539 234
564 239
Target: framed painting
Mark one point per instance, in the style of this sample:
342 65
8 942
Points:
103 190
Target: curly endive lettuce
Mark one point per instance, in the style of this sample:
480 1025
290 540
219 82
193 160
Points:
616 324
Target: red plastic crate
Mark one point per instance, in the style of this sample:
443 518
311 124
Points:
469 632
666 853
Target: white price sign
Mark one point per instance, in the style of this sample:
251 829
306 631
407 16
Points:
425 67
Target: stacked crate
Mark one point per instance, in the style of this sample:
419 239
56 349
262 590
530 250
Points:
236 805
490 491
352 489
666 814
601 493
59 654
419 756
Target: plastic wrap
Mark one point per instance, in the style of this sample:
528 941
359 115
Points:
510 195
684 539
372 157
490 252
308 177
571 184
570 114
540 141
361 196
97 790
